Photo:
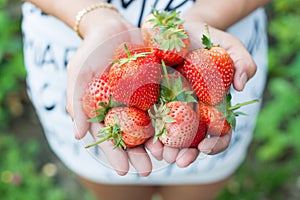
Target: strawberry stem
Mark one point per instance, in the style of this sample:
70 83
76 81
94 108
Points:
127 51
166 73
237 106
108 136
206 41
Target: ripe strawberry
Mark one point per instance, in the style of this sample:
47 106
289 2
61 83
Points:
96 96
135 79
164 31
201 134
210 71
216 124
127 127
220 119
176 124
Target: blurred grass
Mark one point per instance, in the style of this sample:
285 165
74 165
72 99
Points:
271 170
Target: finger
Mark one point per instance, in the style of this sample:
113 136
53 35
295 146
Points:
186 157
170 154
244 64
116 157
140 160
215 145
155 148
81 126
74 94
245 69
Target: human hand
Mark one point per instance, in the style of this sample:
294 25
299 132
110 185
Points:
97 29
101 37
244 69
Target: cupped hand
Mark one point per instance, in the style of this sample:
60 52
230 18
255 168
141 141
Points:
245 68
102 30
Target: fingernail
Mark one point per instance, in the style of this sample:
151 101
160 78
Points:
75 130
206 151
243 80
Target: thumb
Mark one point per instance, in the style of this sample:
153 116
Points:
245 69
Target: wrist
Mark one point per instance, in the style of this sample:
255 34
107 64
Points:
101 21
91 15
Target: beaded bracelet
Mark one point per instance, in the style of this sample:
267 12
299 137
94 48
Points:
84 11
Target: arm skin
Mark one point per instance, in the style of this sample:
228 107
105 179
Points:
222 14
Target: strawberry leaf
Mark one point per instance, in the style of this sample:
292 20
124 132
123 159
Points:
207 42
170 35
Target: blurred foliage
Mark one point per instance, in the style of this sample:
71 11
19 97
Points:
27 174
20 176
279 119
12 71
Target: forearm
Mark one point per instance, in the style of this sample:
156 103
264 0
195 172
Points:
223 13
67 10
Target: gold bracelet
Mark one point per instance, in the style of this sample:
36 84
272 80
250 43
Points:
84 11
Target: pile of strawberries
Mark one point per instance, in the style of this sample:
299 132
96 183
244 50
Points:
162 89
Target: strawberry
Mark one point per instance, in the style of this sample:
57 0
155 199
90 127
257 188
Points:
220 119
135 79
96 97
215 123
175 121
165 33
201 134
210 71
127 127
176 124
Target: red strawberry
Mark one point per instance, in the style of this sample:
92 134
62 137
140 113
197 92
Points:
135 79
176 124
97 94
216 124
126 126
210 71
164 31
220 119
201 134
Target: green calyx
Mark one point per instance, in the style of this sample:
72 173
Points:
130 57
113 132
101 112
159 120
165 18
229 111
170 36
173 90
